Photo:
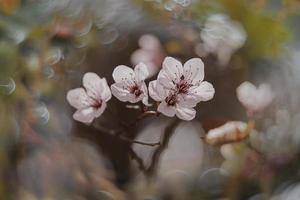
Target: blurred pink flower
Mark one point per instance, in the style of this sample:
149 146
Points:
89 101
179 88
254 99
221 36
130 84
150 52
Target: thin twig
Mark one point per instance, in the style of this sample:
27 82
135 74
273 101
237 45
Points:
122 137
137 159
142 116
138 142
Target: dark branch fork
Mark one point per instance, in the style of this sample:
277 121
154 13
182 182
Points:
119 133
168 132
162 145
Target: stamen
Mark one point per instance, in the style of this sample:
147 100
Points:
183 87
171 100
135 90
97 103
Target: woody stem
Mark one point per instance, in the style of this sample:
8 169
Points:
122 137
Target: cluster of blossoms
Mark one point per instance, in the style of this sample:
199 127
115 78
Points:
177 90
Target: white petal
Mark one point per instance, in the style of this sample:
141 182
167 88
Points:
141 72
120 92
85 115
173 68
194 70
187 101
94 85
165 109
204 92
145 95
165 80
78 98
105 90
185 113
156 91
122 73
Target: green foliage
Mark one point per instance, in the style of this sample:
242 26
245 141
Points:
8 59
266 33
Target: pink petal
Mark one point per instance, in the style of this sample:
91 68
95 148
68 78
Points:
120 92
186 113
204 92
187 101
85 115
156 91
95 86
105 90
194 70
145 95
141 72
123 73
78 98
173 68
165 109
165 80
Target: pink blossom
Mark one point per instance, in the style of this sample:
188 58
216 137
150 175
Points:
89 101
130 84
179 88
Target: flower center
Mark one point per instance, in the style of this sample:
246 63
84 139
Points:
171 100
97 103
182 86
135 90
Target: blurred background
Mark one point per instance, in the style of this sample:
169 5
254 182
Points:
47 45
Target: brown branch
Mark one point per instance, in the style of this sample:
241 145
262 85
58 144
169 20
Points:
142 116
122 137
137 159
168 132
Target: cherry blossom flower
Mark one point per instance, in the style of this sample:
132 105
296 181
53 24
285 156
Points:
170 104
150 52
130 84
179 88
222 36
89 101
254 99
